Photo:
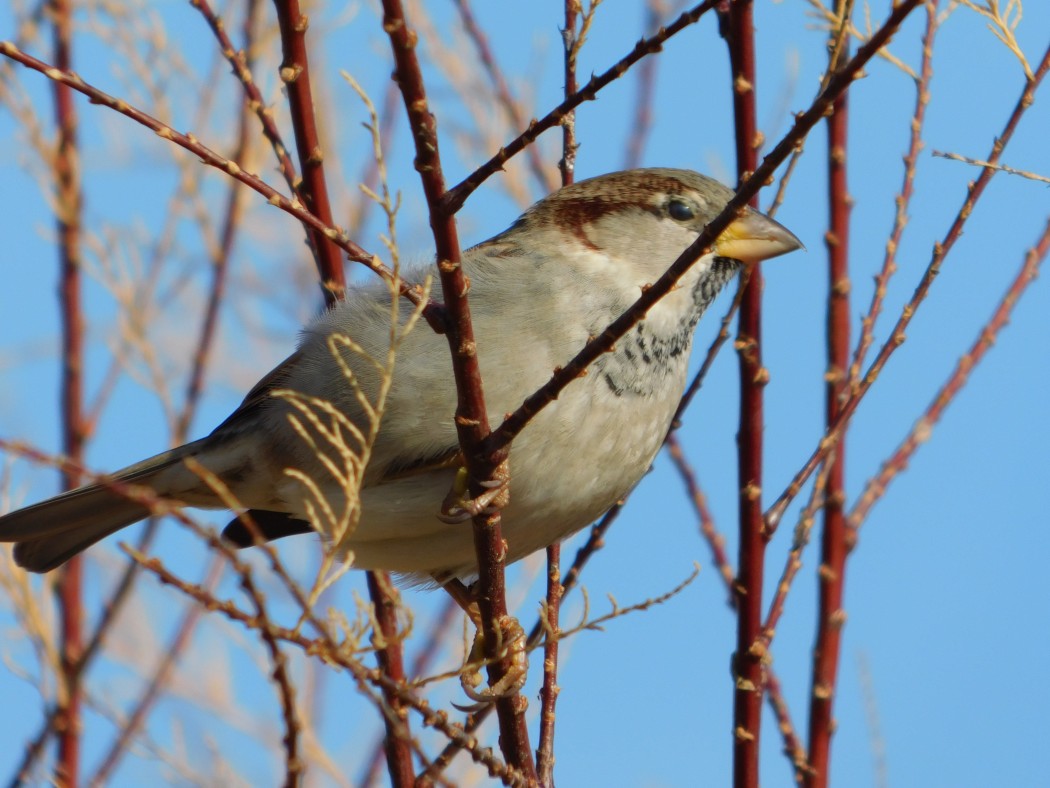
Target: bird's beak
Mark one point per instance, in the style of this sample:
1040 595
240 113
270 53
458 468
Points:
753 237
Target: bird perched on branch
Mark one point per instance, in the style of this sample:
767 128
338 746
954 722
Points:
335 440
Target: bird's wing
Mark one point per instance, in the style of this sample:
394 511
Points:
260 393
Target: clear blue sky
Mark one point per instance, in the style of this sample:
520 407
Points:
946 592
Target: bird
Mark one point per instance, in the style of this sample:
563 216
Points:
561 273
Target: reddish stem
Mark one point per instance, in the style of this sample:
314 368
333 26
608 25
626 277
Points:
295 72
69 202
555 591
471 418
398 743
239 61
831 575
738 29
420 665
595 542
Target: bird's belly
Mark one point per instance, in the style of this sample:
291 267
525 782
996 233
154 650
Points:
578 457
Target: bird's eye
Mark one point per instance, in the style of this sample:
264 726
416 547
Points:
680 211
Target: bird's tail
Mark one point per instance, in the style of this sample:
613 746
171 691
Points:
51 532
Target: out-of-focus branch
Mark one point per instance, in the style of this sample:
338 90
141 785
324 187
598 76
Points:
69 208
242 69
920 432
499 84
483 464
414 293
295 73
645 91
220 263
123 587
903 201
161 675
897 335
458 194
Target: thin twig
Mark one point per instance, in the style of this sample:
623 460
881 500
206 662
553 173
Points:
920 432
332 654
458 194
719 557
903 201
414 293
507 102
242 69
1000 167
897 335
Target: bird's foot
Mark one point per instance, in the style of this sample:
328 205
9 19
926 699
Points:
458 506
510 644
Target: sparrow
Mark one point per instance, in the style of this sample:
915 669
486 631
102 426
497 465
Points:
569 266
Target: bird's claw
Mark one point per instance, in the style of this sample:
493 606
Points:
512 645
458 506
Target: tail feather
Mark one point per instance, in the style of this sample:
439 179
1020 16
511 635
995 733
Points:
53 531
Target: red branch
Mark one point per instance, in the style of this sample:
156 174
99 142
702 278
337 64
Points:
398 741
472 424
738 29
420 665
831 575
295 73
69 208
555 590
